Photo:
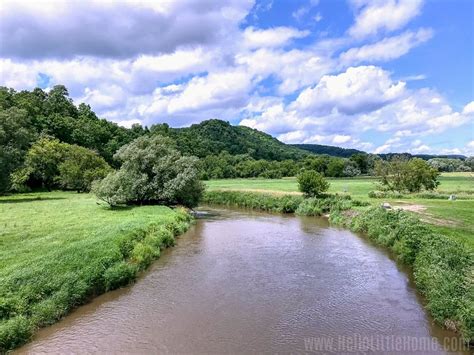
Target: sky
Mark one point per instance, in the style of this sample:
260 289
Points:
377 75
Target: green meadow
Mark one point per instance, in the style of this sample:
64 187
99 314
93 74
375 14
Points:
59 249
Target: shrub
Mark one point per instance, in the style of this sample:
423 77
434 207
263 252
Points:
312 183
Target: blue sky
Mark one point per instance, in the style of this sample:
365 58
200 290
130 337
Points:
382 76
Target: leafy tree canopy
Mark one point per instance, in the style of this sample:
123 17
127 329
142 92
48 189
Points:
406 175
152 171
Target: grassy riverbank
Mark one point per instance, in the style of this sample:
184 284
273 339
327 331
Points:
442 263
59 249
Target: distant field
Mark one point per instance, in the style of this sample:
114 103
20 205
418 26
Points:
360 187
455 218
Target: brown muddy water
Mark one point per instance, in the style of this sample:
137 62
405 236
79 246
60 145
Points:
245 282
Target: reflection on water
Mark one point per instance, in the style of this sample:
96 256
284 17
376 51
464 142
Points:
249 282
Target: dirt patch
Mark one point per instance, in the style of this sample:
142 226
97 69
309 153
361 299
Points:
425 216
411 208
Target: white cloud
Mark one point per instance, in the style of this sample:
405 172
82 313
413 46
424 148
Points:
468 109
294 68
129 123
304 10
386 49
388 15
340 107
188 60
272 37
359 89
339 138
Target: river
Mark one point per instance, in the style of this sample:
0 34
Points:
246 282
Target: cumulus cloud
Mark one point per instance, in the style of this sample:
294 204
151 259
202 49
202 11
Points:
387 49
39 29
188 60
340 107
357 90
374 16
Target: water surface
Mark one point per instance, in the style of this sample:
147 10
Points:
244 282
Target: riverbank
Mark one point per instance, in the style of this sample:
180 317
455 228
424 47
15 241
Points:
451 218
60 249
441 264
248 282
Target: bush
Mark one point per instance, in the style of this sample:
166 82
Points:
312 183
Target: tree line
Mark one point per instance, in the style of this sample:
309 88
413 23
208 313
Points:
47 141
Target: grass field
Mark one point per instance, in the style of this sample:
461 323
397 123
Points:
58 249
454 218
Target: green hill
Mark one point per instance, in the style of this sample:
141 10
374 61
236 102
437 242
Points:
214 136
328 149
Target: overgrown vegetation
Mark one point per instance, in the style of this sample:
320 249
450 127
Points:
60 249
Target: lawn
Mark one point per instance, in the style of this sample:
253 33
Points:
455 218
58 249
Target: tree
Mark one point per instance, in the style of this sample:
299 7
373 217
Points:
351 168
152 171
312 183
80 168
53 164
362 161
43 159
15 137
406 175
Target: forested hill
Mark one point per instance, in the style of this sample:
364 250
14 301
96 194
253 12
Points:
348 152
53 113
328 149
215 136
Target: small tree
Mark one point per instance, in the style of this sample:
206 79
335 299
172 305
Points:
312 183
80 168
55 164
406 175
43 159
